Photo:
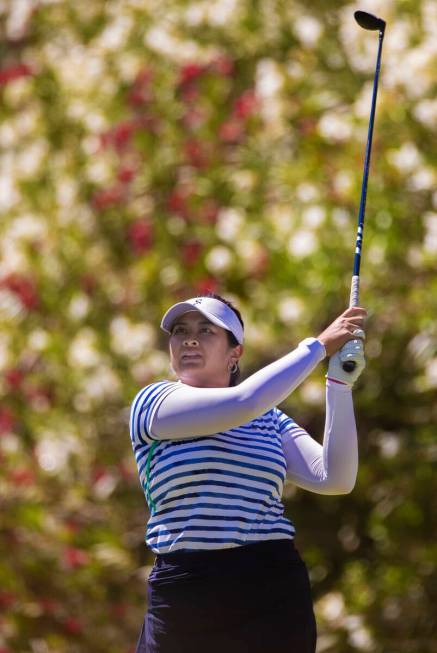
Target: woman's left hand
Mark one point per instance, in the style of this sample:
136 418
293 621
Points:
353 350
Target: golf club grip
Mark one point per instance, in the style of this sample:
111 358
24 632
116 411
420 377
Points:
355 291
349 366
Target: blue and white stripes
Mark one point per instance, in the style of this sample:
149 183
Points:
210 492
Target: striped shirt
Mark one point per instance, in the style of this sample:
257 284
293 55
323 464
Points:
211 492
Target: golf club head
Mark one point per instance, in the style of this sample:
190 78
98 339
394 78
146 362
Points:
369 21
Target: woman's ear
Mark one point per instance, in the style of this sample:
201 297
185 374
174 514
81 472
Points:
239 350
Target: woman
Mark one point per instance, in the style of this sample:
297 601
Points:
212 458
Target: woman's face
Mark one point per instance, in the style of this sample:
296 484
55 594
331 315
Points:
200 352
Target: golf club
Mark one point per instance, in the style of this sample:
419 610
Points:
370 22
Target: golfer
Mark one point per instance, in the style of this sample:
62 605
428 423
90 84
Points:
213 455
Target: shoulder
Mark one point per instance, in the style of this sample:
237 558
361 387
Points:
146 402
151 394
151 390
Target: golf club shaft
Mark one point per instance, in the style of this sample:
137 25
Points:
349 366
362 211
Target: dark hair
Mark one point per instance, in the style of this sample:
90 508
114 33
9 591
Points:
233 342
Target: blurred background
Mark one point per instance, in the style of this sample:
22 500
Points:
152 150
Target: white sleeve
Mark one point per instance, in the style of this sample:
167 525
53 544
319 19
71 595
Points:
331 468
188 412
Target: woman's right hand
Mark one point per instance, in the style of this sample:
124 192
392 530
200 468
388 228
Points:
342 329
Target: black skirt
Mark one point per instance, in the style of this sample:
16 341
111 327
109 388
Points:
249 599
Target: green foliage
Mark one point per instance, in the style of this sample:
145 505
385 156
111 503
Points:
151 151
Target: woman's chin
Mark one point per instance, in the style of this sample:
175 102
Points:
199 379
189 377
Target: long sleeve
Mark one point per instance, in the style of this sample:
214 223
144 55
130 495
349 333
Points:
187 412
331 468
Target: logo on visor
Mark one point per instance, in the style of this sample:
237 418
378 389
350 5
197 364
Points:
198 301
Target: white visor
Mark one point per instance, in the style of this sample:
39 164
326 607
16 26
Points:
213 309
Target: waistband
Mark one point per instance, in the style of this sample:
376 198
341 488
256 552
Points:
269 549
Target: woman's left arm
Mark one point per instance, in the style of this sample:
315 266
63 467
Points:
331 468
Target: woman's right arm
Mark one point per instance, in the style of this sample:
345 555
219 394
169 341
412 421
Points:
186 411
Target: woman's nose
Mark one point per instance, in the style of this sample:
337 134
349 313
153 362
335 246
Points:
191 342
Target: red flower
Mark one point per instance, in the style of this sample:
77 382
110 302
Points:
22 476
177 202
231 131
245 105
120 135
148 123
193 117
144 76
13 72
223 65
7 420
107 198
140 92
14 378
140 235
99 472
73 626
196 154
190 72
23 287
136 97
74 558
72 525
190 93
207 284
126 174
191 251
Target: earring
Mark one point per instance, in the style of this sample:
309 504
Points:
233 368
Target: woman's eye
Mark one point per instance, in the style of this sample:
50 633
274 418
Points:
177 331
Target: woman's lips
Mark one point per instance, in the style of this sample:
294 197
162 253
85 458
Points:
190 357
